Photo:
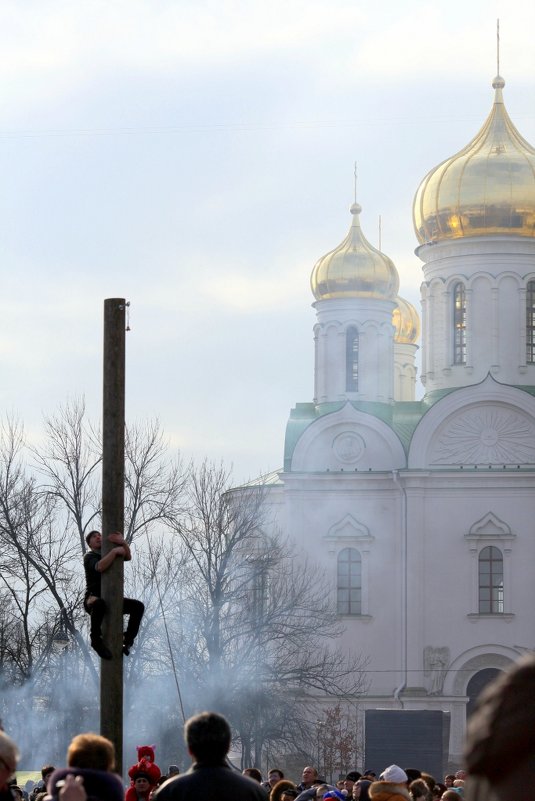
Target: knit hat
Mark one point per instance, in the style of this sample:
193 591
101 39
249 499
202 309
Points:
394 774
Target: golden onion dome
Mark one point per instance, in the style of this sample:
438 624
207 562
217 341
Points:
406 323
355 269
486 188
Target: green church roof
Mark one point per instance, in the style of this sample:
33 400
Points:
401 416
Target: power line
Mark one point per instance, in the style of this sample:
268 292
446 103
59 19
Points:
238 127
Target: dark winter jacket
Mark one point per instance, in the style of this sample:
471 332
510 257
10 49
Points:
210 783
100 785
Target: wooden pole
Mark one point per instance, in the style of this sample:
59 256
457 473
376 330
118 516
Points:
113 424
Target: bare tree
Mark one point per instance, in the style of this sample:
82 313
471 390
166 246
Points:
43 525
35 556
261 641
153 482
69 461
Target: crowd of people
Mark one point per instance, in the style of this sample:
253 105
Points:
393 784
90 775
499 757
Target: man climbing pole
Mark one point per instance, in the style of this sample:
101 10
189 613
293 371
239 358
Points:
94 605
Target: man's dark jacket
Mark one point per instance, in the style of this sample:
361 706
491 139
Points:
210 783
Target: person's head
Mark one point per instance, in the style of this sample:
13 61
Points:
9 756
394 775
428 779
309 776
361 789
420 791
449 779
46 771
207 737
370 775
91 751
352 777
94 540
142 784
450 795
173 770
274 776
500 740
412 774
460 774
283 789
254 774
289 795
393 791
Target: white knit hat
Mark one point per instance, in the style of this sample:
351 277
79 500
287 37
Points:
394 774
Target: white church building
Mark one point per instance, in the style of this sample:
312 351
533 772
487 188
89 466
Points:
423 511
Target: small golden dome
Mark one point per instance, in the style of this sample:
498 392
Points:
406 322
486 188
355 269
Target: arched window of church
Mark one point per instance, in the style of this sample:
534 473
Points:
349 582
490 581
459 324
352 359
530 322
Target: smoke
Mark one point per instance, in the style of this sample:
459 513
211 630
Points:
44 713
234 622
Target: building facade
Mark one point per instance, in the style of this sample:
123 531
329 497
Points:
422 512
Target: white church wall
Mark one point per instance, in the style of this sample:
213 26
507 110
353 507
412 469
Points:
442 572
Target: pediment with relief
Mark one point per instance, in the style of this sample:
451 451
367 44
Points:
348 441
485 435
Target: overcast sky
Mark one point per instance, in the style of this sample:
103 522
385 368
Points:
197 159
